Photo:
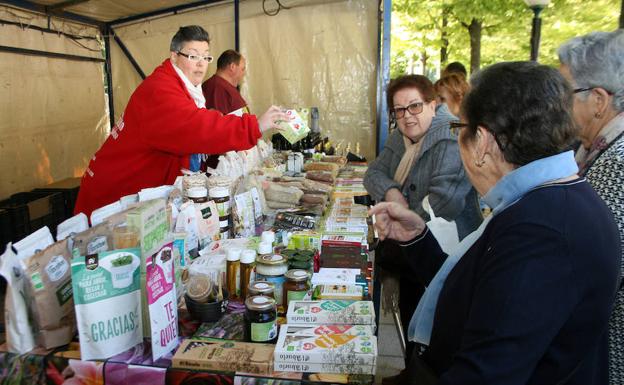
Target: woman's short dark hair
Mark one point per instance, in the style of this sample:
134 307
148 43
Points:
421 83
186 34
526 106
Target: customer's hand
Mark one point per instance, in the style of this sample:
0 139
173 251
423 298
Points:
396 222
271 117
395 195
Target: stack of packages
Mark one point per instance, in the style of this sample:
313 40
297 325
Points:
328 336
350 182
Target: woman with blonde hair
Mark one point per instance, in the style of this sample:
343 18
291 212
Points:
451 90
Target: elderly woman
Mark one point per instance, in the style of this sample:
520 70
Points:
451 90
526 298
420 158
594 65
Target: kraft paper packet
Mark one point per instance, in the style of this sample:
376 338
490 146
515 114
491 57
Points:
95 240
48 273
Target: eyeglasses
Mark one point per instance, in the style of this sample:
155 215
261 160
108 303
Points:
456 126
196 58
577 90
414 109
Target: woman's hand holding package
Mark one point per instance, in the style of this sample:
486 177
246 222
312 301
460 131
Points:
396 222
271 118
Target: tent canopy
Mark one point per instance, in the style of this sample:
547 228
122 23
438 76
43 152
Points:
70 67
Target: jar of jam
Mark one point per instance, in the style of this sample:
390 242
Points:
265 288
272 268
260 319
296 286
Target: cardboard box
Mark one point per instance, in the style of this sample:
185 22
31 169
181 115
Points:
228 356
318 330
352 292
151 221
331 312
342 349
323 368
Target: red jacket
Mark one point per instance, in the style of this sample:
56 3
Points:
152 141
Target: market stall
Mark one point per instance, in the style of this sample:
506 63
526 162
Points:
261 270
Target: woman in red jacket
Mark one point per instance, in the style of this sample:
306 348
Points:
164 123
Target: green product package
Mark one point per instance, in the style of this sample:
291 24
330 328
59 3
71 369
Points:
107 298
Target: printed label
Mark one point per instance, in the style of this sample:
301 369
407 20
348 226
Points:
295 296
36 281
97 245
262 332
57 268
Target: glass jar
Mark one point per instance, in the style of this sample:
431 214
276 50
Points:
247 264
197 194
296 285
261 288
272 268
221 197
260 319
232 272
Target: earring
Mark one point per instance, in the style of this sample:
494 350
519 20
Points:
598 115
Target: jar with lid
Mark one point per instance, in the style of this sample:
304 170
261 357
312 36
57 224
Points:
247 264
260 319
261 288
265 249
232 271
296 285
197 194
268 236
221 196
272 268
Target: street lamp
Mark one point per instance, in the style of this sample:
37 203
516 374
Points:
536 6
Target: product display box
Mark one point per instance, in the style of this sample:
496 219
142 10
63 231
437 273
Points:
319 330
323 368
340 349
345 292
331 312
227 356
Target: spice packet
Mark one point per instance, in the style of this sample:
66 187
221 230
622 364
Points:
95 240
50 294
107 299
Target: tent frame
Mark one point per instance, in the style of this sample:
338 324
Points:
107 31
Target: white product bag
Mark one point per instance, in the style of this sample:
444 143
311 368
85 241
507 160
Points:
19 335
444 231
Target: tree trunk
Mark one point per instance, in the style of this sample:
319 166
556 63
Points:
424 58
622 15
474 29
444 38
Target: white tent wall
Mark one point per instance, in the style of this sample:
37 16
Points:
54 111
148 42
317 53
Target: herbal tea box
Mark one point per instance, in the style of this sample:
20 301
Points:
310 367
319 330
343 349
226 356
150 220
331 312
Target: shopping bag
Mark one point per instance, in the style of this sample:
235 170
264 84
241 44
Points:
444 231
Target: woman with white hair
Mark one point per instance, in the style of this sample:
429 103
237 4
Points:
594 65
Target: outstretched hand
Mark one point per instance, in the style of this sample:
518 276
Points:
271 118
395 221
